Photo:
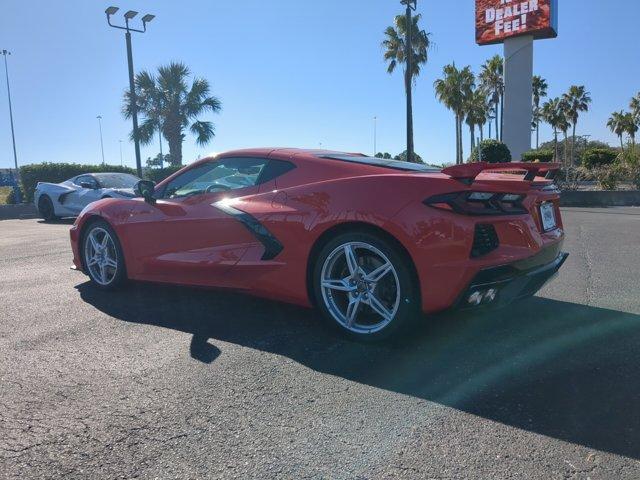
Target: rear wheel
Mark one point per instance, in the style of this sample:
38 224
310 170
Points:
45 208
363 285
102 256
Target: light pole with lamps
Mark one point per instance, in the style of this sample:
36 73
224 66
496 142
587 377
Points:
134 101
99 117
13 135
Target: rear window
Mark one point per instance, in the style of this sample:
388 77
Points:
382 162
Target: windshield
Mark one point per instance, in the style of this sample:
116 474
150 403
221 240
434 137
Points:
116 180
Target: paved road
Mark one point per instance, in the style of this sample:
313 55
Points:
161 382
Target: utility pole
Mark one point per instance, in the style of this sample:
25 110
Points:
99 117
411 5
133 98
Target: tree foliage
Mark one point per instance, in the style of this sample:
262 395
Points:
170 104
492 151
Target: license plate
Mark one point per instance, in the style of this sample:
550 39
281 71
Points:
548 216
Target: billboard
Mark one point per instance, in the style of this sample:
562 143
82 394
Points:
497 20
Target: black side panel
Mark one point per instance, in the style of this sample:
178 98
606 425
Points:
272 247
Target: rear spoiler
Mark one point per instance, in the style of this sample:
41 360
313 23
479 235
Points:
467 173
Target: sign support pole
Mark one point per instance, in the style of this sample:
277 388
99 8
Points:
518 94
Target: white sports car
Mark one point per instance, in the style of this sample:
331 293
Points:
67 199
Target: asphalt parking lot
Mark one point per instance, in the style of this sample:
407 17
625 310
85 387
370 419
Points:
166 382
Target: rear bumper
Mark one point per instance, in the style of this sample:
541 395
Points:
499 286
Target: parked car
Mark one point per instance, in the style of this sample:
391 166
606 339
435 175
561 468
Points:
371 242
67 199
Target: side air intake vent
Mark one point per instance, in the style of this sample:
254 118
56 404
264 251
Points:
485 240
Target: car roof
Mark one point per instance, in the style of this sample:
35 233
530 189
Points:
324 156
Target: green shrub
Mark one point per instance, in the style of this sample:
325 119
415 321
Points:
493 151
159 174
11 198
630 156
634 175
599 157
6 196
543 156
609 176
30 175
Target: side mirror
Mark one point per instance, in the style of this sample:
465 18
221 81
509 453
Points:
145 189
89 185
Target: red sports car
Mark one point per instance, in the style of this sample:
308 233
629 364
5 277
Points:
372 243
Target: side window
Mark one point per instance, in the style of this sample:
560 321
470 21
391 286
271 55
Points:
275 169
86 179
216 176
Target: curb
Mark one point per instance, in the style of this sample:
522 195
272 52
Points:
18 212
605 198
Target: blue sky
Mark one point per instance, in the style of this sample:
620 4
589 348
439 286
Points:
289 73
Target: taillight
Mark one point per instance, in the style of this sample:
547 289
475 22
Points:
479 203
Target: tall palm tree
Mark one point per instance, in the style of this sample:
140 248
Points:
635 111
616 124
631 127
540 87
635 105
492 80
564 123
453 90
168 103
552 114
476 109
577 100
395 52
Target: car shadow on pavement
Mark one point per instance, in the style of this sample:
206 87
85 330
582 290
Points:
560 369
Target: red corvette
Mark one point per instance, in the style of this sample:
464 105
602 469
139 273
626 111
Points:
372 243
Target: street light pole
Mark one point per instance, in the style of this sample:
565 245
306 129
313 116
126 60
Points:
133 98
411 5
99 117
13 135
121 162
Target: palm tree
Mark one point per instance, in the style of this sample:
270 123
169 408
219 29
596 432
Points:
477 111
540 87
552 114
577 100
453 90
635 106
169 104
635 112
616 124
564 123
492 80
395 52
630 124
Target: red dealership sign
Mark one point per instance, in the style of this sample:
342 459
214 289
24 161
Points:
497 20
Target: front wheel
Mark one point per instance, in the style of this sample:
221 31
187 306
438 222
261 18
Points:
363 285
102 256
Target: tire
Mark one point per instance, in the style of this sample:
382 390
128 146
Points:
102 256
45 209
353 296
